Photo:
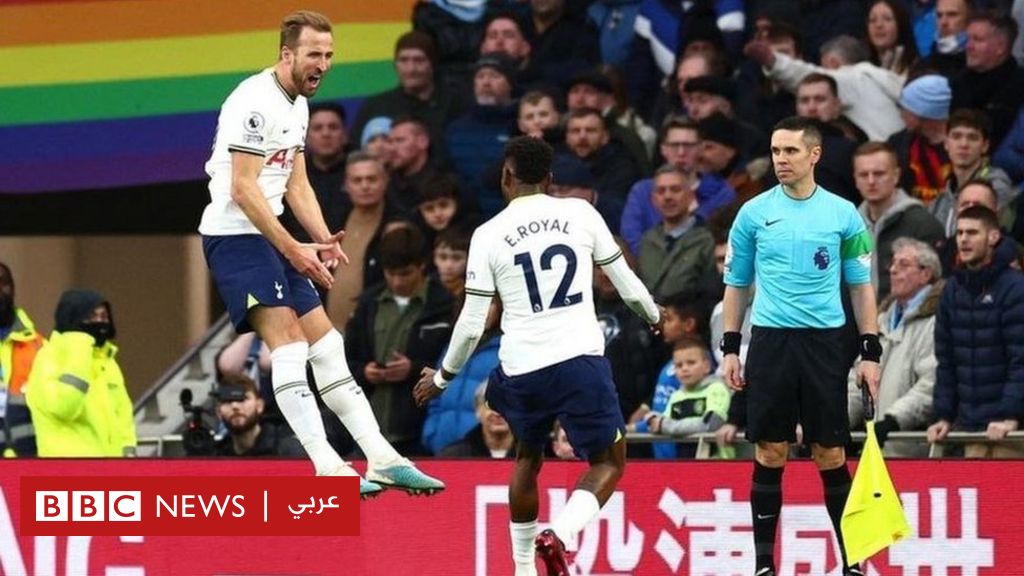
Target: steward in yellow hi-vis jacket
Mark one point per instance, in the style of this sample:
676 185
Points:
19 343
76 390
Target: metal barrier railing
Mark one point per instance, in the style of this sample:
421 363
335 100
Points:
171 444
936 450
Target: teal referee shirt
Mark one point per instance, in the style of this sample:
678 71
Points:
796 250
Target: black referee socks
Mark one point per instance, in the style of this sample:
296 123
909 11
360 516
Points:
837 488
765 504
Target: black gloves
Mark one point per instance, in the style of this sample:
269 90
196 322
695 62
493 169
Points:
884 427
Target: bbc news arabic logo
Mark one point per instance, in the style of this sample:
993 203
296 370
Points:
88 506
190 506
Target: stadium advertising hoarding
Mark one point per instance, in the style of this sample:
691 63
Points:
666 518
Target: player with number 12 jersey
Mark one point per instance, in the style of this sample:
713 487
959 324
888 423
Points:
538 256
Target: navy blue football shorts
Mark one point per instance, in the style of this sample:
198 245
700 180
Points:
578 392
250 272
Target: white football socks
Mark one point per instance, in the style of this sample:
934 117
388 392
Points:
297 404
523 554
581 508
341 393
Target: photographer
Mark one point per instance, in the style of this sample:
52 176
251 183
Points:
240 406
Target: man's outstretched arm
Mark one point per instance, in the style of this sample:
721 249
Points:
632 290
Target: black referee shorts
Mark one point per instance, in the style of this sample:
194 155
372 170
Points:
797 375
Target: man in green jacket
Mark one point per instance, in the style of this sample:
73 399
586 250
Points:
76 391
677 253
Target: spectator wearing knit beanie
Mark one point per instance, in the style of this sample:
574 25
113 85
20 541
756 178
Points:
720 155
924 163
418 94
927 97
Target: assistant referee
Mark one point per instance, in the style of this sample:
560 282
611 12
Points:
798 240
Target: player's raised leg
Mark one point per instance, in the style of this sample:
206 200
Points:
588 410
592 491
345 398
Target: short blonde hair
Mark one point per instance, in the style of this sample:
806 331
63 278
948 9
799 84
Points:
292 25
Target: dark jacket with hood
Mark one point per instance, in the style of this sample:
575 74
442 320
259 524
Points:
979 344
400 419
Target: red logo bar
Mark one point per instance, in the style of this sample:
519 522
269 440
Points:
189 506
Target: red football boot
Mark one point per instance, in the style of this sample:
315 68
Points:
552 552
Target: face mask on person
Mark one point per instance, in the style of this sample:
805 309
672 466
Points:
951 44
100 331
6 310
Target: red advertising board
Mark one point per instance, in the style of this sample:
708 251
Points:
189 506
666 518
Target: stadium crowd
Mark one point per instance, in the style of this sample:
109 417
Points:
660 113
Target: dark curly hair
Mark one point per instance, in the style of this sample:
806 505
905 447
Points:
530 159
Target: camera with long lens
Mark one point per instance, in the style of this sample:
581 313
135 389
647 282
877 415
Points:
197 437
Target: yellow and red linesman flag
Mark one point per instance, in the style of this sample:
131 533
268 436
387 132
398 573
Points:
873 518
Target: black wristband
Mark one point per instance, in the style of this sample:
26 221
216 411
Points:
870 348
731 343
446 375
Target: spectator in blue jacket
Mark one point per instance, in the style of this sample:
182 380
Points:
478 137
979 340
681 147
453 415
685 317
662 28
491 438
614 21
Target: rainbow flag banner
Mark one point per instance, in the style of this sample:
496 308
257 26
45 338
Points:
108 93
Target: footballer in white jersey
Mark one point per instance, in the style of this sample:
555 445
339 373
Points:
265 276
537 255
262 119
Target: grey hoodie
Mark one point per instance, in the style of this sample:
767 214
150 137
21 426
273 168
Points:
944 205
919 226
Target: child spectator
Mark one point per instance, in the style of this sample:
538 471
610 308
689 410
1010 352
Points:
684 317
451 250
439 206
537 115
700 405
453 415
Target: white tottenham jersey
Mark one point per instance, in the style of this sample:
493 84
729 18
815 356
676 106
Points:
538 255
258 118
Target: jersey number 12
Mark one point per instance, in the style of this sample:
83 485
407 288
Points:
560 299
